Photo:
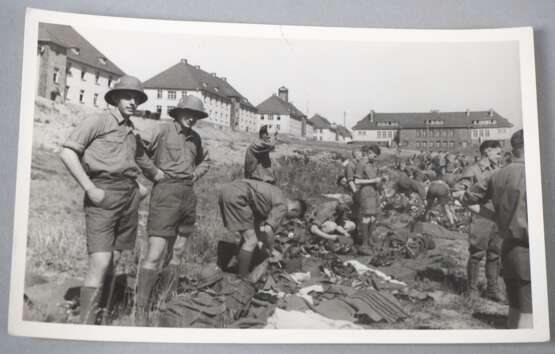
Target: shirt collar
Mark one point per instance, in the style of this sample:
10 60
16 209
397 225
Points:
188 132
119 118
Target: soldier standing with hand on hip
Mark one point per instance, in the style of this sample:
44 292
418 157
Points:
105 157
177 150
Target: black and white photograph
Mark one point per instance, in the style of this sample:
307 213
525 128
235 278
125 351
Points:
335 184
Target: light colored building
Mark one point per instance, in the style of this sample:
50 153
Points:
225 105
281 115
323 130
70 68
433 130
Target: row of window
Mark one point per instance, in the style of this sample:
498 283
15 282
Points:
83 75
384 134
81 98
482 133
436 144
484 122
271 117
434 122
424 133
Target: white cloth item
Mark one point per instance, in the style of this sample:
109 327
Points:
299 277
282 319
308 289
361 269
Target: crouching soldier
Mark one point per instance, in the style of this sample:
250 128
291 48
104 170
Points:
176 149
105 157
258 164
255 209
330 221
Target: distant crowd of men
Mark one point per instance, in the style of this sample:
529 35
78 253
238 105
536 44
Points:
105 155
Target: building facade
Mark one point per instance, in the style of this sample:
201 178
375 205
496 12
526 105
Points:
225 105
324 130
69 68
433 130
281 115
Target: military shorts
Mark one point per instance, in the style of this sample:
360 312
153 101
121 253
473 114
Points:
483 236
172 209
112 224
234 206
366 201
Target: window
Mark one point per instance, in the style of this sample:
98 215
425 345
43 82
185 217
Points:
418 135
171 95
96 77
445 144
102 61
438 143
487 133
83 72
159 109
277 126
390 134
451 144
262 117
424 144
269 126
452 132
170 108
68 69
437 133
270 117
95 99
418 144
75 50
82 96
379 134
110 79
424 133
56 75
278 117
158 93
445 133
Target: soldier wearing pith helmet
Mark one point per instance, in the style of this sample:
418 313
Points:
177 150
105 157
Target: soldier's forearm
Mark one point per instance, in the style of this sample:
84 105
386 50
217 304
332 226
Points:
72 163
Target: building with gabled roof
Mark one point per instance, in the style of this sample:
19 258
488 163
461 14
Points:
432 130
324 130
70 68
281 115
224 104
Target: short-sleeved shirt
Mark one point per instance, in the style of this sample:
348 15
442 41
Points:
244 203
506 188
176 150
108 148
366 198
258 164
328 211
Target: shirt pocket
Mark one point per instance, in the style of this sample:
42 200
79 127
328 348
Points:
174 151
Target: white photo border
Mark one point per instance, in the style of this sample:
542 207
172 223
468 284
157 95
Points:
524 37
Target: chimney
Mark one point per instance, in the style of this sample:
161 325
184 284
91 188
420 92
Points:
283 93
372 113
184 61
491 112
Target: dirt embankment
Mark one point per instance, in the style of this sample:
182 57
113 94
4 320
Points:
53 122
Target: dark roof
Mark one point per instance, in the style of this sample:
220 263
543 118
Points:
341 130
184 76
418 120
67 37
320 122
274 104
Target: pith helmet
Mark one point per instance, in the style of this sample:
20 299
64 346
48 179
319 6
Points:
127 83
189 104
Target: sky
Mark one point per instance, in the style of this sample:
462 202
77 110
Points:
335 79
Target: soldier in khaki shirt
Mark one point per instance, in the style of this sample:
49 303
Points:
484 240
258 164
105 157
177 150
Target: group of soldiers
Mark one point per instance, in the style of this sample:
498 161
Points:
105 155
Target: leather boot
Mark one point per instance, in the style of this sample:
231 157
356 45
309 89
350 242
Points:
244 259
89 299
145 282
492 277
473 271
